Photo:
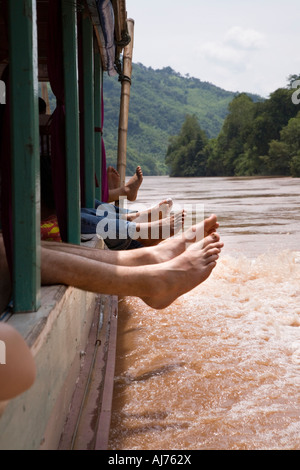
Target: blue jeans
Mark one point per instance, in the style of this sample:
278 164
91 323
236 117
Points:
106 220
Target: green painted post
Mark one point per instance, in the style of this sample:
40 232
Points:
98 149
88 111
72 119
25 155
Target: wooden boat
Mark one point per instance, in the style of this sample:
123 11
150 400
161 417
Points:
72 334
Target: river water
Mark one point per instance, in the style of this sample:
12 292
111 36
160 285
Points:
220 367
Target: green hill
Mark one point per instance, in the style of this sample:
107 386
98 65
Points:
159 103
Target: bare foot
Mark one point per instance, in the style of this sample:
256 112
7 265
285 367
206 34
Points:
201 230
132 186
129 190
113 178
173 247
181 274
153 233
158 212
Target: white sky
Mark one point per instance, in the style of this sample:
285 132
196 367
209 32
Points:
238 45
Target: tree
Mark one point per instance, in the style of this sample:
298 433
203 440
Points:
284 153
186 152
254 139
278 160
214 161
235 131
295 166
281 109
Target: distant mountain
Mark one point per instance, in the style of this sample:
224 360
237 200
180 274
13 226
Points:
159 102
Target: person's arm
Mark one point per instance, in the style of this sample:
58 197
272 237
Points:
17 366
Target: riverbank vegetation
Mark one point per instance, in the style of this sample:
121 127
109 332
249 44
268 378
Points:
257 138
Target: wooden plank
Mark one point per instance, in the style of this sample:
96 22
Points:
102 431
88 423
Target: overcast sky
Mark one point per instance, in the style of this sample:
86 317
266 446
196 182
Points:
238 45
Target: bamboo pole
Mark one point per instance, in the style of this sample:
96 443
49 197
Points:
124 104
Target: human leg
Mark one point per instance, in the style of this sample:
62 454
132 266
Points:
158 285
153 233
118 232
156 212
159 211
160 253
106 223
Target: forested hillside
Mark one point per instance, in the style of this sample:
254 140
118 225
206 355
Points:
160 100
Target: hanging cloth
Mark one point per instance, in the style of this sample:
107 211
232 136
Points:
56 78
107 36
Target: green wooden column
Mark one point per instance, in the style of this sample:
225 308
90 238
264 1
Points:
25 155
88 111
72 119
98 74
